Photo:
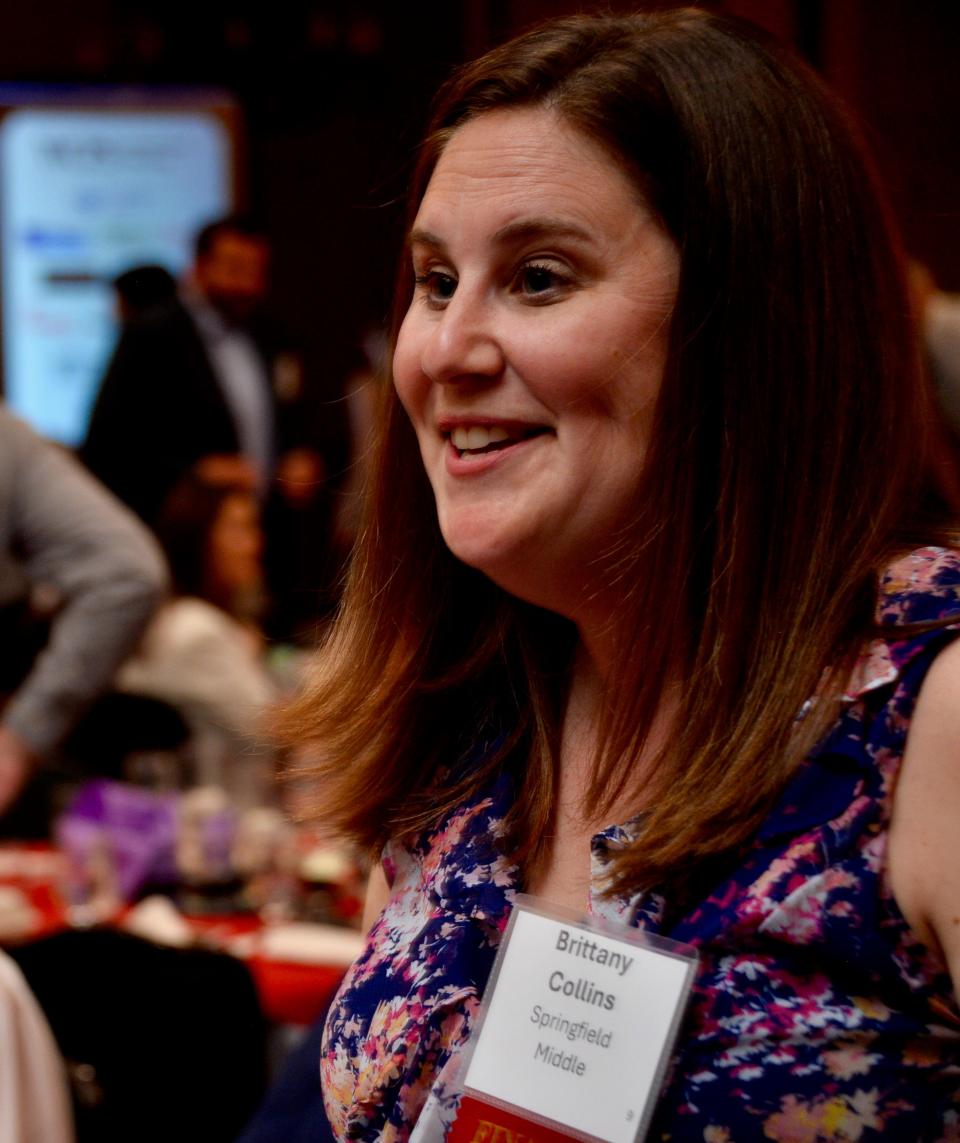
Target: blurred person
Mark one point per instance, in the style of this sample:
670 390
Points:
204 652
64 534
654 610
34 1097
142 289
197 384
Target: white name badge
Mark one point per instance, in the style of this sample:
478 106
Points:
576 1029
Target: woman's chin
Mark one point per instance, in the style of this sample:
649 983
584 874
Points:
493 564
514 568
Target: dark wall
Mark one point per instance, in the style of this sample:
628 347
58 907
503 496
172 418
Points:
897 64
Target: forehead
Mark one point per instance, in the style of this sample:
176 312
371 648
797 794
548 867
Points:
515 161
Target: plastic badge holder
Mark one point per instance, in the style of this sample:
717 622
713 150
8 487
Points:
575 1032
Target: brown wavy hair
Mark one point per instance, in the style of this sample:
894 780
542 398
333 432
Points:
786 466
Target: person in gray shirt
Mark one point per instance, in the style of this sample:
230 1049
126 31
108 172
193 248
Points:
62 531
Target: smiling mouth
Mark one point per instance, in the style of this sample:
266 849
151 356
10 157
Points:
476 440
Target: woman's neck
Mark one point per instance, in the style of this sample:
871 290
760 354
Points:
591 684
565 878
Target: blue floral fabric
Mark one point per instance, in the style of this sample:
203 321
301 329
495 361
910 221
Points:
816 1013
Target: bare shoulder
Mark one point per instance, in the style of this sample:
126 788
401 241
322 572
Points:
923 865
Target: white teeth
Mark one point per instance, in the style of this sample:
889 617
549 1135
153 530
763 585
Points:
477 436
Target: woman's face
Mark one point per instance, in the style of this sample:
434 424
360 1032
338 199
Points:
235 545
533 350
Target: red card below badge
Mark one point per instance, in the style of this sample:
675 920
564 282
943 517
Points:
480 1122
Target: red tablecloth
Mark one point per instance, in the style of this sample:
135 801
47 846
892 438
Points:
289 993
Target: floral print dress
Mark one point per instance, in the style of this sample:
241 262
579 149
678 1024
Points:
816 1013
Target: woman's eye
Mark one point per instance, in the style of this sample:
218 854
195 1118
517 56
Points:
536 280
436 286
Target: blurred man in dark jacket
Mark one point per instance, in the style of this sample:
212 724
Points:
195 384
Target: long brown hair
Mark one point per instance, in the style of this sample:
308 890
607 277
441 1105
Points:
786 466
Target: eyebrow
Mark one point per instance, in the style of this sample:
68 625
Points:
521 230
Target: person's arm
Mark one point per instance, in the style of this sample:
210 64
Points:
924 843
17 761
70 533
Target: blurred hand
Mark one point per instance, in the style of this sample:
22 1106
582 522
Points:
300 475
17 760
227 468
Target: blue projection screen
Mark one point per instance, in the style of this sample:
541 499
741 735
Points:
84 195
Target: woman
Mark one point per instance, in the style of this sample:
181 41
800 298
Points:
203 653
653 349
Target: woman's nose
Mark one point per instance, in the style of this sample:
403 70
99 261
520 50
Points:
464 344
